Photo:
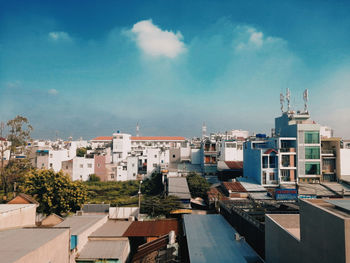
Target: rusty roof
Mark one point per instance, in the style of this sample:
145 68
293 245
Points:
234 165
233 187
151 228
103 138
158 138
150 247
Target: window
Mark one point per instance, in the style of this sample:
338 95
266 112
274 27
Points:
265 162
272 175
312 168
312 137
133 165
81 166
66 167
312 152
50 155
133 174
112 176
50 165
89 165
155 165
124 168
174 156
272 161
155 156
98 165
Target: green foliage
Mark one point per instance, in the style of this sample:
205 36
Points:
55 192
115 193
157 206
81 152
94 178
153 185
198 185
15 171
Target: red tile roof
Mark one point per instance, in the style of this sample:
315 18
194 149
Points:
234 187
151 228
2 139
103 138
158 138
234 165
270 151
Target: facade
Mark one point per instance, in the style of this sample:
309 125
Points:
319 234
17 215
79 168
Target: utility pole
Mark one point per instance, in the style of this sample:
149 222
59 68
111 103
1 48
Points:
140 197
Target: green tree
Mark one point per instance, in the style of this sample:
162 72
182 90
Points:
94 178
157 206
19 131
198 185
55 192
153 185
81 152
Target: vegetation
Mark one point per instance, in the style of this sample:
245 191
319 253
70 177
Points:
19 131
198 185
153 185
55 192
94 178
157 205
81 152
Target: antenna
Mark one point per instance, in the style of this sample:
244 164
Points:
137 130
204 130
306 99
282 102
288 99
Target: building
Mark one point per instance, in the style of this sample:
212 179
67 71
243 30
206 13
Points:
330 154
40 245
17 215
211 239
177 186
319 234
79 168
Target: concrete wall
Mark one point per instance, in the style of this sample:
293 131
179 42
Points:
252 163
22 217
54 251
345 164
196 156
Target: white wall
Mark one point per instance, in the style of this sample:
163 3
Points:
344 162
82 168
121 146
17 215
153 160
132 167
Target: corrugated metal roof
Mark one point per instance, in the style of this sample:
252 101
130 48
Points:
234 187
112 228
150 247
96 208
151 228
16 243
178 187
211 239
105 249
250 185
79 224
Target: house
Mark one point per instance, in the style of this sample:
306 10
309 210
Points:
79 168
17 215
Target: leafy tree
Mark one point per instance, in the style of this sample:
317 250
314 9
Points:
153 185
81 152
157 206
94 178
198 185
19 131
55 192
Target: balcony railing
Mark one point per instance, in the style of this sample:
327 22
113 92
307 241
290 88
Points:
286 150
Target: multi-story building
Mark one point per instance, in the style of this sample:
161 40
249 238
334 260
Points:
79 168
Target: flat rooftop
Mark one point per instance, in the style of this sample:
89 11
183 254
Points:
104 249
112 228
337 206
211 239
16 243
5 208
79 224
178 187
289 222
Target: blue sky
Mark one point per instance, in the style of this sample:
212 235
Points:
89 68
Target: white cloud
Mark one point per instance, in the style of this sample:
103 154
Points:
57 36
249 38
53 91
156 42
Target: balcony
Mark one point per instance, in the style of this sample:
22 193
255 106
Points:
328 153
287 150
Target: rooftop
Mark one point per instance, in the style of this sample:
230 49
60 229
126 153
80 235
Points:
158 138
151 228
112 228
337 206
233 187
215 244
178 186
16 243
289 222
104 249
5 208
79 224
103 138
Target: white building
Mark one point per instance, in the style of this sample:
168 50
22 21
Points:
121 146
231 150
79 168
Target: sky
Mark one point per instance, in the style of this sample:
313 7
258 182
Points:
90 68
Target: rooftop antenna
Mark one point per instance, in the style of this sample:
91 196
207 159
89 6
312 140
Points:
282 102
204 130
137 130
288 99
306 99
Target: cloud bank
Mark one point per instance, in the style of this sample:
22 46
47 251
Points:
156 42
59 36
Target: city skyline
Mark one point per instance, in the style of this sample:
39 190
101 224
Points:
87 69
